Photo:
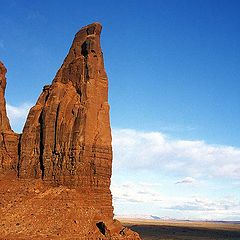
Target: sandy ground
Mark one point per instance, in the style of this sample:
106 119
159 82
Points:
183 230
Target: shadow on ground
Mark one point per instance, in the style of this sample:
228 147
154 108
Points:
153 232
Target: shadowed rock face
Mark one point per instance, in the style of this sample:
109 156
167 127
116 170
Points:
8 139
67 136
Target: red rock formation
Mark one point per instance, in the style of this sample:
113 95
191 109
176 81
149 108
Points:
8 139
4 122
67 136
67 141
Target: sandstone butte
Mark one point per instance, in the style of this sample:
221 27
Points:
55 176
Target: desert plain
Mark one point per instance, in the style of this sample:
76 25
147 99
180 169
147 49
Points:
183 230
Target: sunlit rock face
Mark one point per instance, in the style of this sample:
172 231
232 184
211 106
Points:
67 136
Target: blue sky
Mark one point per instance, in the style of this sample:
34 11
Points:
173 69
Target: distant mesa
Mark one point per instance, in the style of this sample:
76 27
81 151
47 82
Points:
64 155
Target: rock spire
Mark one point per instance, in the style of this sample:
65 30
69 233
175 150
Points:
8 139
66 144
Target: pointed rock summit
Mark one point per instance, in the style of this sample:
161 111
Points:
66 144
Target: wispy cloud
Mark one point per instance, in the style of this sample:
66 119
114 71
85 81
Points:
155 151
191 207
17 115
34 15
186 180
132 192
1 44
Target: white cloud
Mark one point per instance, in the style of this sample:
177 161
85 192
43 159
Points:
185 207
155 151
135 192
17 115
186 180
205 208
189 173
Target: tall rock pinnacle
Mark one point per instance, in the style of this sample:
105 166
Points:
67 136
4 122
8 139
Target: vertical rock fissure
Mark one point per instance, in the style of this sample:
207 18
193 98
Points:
41 145
55 130
86 69
85 51
19 154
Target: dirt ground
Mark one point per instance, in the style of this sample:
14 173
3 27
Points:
32 210
183 230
